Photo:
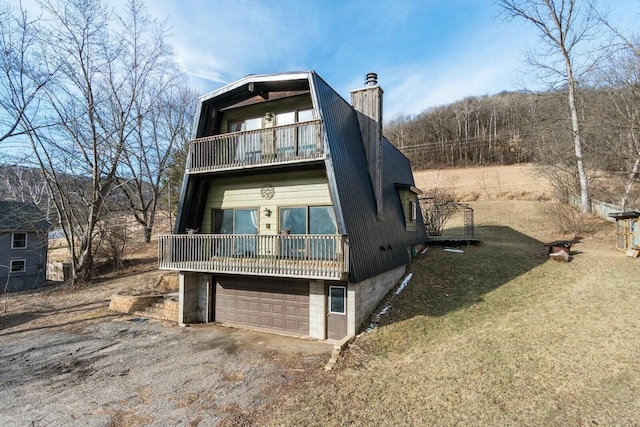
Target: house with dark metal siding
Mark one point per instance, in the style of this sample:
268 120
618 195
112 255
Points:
296 214
23 246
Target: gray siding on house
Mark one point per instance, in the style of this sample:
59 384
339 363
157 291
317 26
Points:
35 256
21 217
375 246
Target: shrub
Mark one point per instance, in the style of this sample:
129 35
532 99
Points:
437 207
113 243
470 197
565 219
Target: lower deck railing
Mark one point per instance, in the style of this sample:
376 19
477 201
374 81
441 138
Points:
305 256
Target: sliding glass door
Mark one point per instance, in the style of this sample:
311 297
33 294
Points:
308 220
240 222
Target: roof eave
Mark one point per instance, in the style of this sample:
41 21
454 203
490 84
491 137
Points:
255 78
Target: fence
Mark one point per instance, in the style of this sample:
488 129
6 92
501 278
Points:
58 271
602 209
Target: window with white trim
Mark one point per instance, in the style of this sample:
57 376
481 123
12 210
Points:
18 265
337 297
19 241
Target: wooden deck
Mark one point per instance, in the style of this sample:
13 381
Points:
280 144
303 256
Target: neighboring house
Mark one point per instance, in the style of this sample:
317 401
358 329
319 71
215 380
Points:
23 246
296 214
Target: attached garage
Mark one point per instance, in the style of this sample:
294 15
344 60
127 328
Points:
266 303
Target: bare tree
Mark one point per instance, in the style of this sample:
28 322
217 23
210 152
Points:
22 80
6 287
621 75
172 181
93 101
162 131
23 184
437 208
564 26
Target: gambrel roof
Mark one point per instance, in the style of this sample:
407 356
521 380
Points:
375 246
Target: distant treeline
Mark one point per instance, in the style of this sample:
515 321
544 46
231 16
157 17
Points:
514 127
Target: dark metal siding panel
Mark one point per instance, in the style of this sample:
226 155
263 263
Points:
183 204
375 246
193 200
397 169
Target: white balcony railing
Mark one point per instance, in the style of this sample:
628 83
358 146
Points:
305 256
300 141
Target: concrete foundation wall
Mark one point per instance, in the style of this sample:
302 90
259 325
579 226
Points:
204 298
317 310
195 297
365 296
188 298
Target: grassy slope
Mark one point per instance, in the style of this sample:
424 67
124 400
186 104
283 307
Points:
498 335
521 181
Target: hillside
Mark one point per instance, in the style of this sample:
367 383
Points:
520 181
497 335
516 127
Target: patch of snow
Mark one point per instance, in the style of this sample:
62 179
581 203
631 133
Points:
376 317
456 251
384 311
404 283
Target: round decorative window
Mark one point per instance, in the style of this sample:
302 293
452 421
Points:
267 191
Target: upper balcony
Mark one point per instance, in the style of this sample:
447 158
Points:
276 145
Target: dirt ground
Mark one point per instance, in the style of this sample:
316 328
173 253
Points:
65 359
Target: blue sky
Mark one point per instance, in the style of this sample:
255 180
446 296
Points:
426 52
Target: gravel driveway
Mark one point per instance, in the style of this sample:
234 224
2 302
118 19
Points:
102 369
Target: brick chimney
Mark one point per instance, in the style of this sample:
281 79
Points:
368 104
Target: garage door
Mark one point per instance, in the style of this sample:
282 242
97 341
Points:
278 304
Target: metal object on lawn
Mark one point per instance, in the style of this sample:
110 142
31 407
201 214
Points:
448 208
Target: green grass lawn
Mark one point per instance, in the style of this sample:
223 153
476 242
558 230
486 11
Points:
498 335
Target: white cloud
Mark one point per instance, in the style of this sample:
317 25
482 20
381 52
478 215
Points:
232 39
418 88
490 64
